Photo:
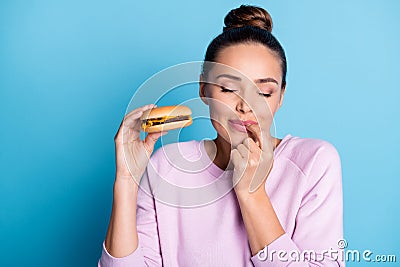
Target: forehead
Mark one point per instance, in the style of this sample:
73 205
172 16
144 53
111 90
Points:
254 61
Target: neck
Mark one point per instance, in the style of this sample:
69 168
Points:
223 152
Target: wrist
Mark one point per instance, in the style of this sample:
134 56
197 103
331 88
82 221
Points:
245 195
130 177
125 183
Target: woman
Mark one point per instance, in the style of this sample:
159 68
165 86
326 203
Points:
287 195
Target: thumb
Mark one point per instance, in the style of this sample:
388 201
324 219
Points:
151 140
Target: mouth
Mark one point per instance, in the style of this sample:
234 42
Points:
241 126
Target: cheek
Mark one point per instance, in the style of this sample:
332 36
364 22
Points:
221 107
267 108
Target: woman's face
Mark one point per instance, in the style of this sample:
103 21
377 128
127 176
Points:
243 91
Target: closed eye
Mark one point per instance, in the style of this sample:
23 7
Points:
266 95
225 90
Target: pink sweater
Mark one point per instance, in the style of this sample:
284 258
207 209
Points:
188 214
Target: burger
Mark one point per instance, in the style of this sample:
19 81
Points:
166 118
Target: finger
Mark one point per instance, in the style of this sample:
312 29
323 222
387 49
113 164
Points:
253 146
132 120
130 130
130 125
133 116
254 134
254 150
244 152
139 109
151 140
263 138
236 157
250 144
136 113
264 134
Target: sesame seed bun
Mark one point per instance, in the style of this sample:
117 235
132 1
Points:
166 118
166 111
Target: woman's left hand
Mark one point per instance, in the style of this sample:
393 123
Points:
252 161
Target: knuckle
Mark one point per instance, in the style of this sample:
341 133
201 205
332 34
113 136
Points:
252 162
117 138
249 140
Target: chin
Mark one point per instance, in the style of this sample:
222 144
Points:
237 141
234 139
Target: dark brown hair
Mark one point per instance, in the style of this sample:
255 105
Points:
246 24
248 16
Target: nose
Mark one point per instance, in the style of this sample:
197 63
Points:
242 106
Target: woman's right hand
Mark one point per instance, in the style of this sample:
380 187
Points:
132 153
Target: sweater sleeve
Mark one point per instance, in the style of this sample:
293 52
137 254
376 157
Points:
148 251
319 221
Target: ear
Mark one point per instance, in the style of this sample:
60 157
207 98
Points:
202 90
283 90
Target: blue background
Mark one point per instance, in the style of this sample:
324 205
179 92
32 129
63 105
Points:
68 70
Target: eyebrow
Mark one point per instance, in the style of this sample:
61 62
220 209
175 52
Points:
262 80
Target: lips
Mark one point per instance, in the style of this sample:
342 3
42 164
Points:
240 125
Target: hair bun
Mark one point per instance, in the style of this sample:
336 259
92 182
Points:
247 15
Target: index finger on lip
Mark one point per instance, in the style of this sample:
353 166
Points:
254 133
262 128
